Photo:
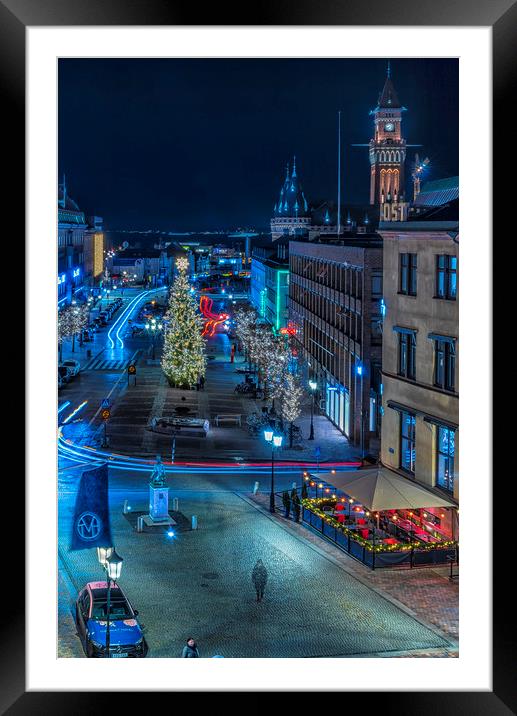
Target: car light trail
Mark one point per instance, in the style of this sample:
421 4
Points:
74 412
76 453
62 407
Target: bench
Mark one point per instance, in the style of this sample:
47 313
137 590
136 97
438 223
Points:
228 418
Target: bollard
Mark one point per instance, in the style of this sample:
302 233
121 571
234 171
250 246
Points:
175 505
194 522
255 488
140 524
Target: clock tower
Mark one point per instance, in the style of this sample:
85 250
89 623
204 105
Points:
387 148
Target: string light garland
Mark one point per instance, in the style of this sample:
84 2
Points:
313 505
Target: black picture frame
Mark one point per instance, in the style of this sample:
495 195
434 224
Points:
501 16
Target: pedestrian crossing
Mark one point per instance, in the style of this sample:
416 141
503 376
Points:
103 364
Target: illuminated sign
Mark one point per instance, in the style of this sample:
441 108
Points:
76 272
61 279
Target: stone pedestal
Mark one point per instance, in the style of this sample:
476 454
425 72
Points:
159 504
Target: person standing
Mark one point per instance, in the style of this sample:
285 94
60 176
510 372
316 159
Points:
190 650
259 579
202 382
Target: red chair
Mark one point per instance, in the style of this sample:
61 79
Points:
341 518
361 521
339 507
364 534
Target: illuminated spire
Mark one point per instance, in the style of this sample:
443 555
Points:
294 166
389 69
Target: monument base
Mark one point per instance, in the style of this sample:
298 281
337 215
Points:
165 521
158 503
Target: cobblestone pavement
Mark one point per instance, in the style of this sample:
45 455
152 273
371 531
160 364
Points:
199 584
427 592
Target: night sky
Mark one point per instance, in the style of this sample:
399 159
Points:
180 145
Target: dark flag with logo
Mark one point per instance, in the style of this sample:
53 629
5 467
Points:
91 526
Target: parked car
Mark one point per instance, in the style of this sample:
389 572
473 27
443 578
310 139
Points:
73 366
65 374
91 612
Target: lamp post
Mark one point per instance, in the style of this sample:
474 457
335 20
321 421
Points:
153 328
275 441
360 370
112 563
312 385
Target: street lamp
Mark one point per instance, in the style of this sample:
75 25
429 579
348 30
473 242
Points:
275 442
112 563
153 328
312 385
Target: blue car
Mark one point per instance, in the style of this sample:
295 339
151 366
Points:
126 635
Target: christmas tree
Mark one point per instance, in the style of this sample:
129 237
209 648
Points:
183 360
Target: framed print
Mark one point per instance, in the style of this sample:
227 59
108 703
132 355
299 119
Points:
243 262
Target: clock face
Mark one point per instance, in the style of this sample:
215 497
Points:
389 127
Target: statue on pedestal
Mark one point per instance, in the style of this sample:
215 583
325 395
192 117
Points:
158 476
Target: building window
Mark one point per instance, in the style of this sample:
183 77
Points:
407 442
444 364
376 285
407 355
407 273
445 459
446 277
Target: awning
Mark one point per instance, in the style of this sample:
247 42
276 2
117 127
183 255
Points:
380 489
408 331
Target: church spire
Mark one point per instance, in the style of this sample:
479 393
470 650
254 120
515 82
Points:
294 166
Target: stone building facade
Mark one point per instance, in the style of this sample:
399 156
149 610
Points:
420 377
335 296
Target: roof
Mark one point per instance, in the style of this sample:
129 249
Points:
388 98
439 191
380 489
291 201
448 211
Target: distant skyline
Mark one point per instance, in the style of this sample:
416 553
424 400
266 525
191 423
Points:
196 145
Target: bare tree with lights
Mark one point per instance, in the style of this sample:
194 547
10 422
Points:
292 394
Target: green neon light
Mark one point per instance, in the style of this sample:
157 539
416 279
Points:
278 298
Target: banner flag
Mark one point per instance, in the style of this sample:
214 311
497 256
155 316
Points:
91 526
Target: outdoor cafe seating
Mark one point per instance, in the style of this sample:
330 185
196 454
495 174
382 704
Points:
382 517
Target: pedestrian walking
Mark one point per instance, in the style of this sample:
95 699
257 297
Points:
202 382
259 579
190 650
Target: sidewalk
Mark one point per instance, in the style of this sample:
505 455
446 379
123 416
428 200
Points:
426 592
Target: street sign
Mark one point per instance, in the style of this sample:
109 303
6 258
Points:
317 451
131 369
105 414
105 403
